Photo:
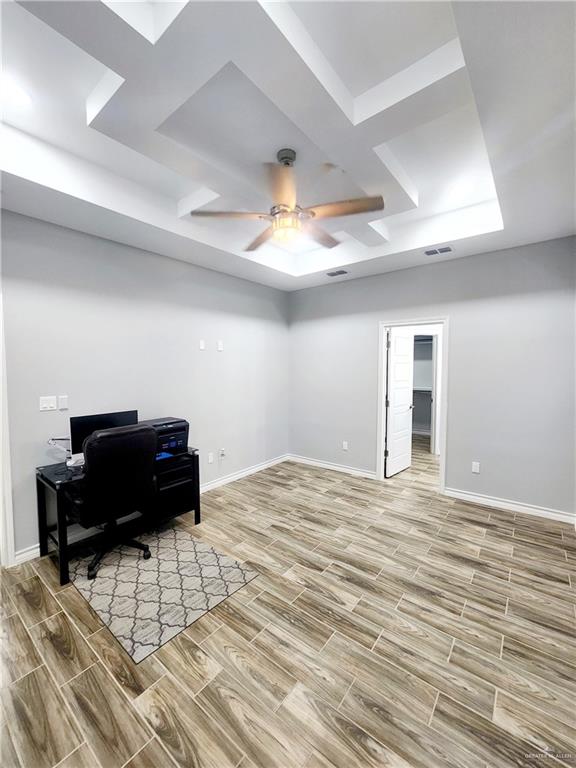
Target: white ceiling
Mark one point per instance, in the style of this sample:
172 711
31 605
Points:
368 42
460 114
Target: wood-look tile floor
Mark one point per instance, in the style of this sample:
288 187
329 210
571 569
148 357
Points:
389 626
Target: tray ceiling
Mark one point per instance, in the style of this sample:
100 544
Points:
140 113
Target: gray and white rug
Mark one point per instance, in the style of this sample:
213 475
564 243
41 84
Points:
145 603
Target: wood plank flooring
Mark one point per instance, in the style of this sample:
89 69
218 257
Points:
388 626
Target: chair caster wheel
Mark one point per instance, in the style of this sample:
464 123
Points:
91 575
147 555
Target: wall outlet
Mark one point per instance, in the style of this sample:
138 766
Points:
48 403
202 344
476 467
220 345
62 402
210 458
221 453
344 445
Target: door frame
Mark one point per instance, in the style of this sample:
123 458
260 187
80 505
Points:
7 542
441 427
434 442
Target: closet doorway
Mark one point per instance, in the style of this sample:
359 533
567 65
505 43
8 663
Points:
412 395
424 389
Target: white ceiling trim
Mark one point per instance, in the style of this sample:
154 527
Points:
422 74
102 94
297 35
435 66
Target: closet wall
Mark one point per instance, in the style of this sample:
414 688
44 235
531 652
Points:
423 378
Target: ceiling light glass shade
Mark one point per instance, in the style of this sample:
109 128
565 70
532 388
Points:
286 226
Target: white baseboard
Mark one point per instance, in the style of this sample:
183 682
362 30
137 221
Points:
331 465
510 506
287 457
29 553
241 473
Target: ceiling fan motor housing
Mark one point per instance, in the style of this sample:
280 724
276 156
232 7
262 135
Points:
286 156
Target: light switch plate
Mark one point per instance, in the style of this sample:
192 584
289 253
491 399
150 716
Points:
220 345
202 344
344 445
210 458
48 403
62 402
476 467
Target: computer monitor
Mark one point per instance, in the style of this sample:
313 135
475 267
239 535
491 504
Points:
83 426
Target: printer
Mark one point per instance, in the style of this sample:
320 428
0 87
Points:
172 434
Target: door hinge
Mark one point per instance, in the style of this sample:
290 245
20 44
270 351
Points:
388 344
386 453
387 403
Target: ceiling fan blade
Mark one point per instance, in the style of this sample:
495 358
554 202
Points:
247 215
347 207
260 240
282 184
321 236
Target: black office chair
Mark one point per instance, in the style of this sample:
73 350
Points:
118 480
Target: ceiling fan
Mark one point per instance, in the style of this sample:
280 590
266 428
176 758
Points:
286 217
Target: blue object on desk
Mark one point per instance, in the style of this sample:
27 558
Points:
163 455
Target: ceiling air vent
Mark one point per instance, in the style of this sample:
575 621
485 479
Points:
436 251
337 273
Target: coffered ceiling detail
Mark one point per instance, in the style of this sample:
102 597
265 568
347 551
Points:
143 112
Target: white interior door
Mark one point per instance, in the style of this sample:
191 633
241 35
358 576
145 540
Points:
399 407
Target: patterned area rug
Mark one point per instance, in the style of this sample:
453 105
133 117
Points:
145 603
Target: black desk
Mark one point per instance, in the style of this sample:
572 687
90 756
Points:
178 483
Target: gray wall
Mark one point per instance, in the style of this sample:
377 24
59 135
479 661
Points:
423 369
115 328
511 356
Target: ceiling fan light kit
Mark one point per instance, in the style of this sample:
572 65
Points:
287 218
286 225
